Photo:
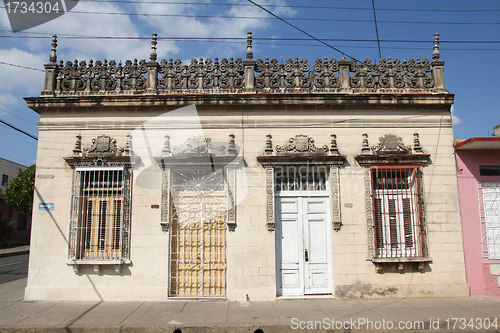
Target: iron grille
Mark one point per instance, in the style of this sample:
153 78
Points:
491 207
300 179
198 234
398 212
100 213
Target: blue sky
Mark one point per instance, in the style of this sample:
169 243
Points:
471 69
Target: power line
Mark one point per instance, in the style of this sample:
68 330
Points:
376 29
295 6
286 18
304 32
277 42
46 35
15 115
19 130
19 66
279 18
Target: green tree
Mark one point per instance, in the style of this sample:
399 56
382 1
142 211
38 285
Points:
19 194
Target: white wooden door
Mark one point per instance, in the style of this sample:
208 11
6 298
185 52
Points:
302 246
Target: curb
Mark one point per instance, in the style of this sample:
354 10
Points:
215 329
13 253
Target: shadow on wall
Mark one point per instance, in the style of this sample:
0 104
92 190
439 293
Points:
65 240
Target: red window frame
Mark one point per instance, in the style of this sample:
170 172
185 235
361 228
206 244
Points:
398 211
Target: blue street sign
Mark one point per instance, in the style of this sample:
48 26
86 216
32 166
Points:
46 206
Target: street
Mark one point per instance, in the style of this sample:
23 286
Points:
13 268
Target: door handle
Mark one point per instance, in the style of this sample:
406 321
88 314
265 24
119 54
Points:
306 255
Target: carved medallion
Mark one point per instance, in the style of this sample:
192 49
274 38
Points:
391 144
301 144
102 145
200 145
194 145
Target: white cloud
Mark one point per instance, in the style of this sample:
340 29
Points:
183 26
76 23
19 79
455 120
4 20
35 52
7 100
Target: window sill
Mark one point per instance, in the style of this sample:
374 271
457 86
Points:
98 264
400 262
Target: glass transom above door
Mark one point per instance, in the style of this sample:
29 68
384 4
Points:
300 179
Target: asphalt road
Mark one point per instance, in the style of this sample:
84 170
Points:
13 268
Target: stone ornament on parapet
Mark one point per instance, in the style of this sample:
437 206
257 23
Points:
229 75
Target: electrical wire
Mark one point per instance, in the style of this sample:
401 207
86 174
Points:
376 29
293 6
15 115
278 18
304 32
46 35
19 66
19 130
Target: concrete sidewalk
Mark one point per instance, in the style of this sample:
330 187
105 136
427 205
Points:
423 315
14 251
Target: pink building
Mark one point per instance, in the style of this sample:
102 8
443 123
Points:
478 170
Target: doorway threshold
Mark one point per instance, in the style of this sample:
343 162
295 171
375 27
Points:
285 297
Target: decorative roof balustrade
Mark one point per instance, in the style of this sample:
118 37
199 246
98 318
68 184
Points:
101 76
207 76
201 75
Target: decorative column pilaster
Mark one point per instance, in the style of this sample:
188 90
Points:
73 238
249 64
335 198
127 218
152 68
51 70
437 65
369 212
344 77
231 182
165 199
271 224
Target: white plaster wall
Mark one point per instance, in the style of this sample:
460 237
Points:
250 249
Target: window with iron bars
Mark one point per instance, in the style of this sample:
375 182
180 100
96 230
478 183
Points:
300 179
398 215
491 209
100 213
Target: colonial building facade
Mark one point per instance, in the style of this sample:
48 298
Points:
478 173
242 179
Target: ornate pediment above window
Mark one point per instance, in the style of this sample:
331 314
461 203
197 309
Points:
102 151
199 154
301 144
301 151
392 150
391 144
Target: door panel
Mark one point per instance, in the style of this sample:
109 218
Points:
315 225
315 205
290 239
290 236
